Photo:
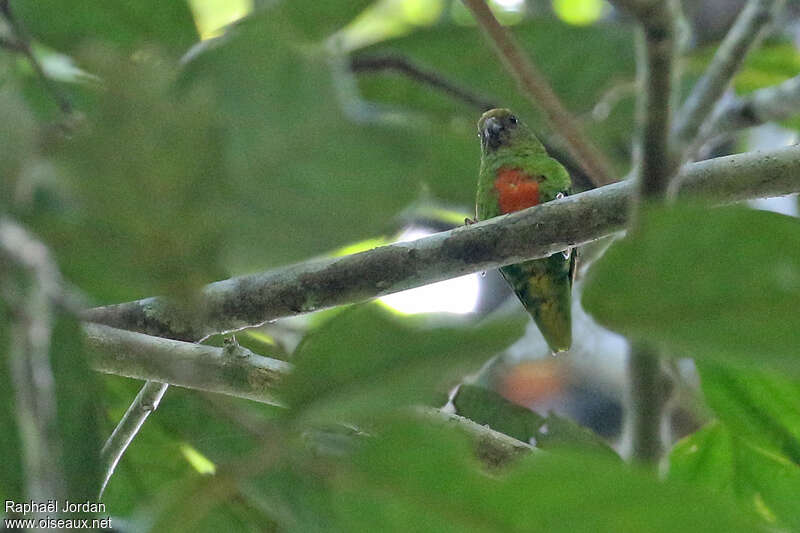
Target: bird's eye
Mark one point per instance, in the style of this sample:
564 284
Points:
512 119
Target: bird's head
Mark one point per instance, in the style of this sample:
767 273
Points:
498 128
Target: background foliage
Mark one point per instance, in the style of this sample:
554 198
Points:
183 161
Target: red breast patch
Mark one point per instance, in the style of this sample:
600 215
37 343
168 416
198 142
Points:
516 190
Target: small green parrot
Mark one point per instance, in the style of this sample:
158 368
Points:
516 173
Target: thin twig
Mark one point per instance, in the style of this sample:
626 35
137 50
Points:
742 37
145 403
536 88
367 63
535 232
769 104
32 315
21 43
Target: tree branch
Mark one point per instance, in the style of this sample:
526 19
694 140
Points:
742 37
655 65
656 47
373 63
539 231
233 370
21 43
759 107
145 403
539 92
31 309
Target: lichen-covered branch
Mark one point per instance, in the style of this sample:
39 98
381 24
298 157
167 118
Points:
233 370
742 37
539 231
536 88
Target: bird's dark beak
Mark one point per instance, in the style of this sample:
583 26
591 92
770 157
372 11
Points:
491 132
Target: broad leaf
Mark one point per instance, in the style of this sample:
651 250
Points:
421 471
550 432
717 283
66 25
766 482
762 407
365 360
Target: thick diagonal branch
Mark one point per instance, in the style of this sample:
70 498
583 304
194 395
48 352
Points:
535 232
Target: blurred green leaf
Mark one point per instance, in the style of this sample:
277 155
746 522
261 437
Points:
768 65
11 475
18 138
221 429
364 360
761 407
766 482
77 391
417 472
607 47
316 20
718 283
579 12
66 25
489 408
551 432
76 401
145 209
293 157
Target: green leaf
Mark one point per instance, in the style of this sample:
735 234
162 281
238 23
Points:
768 65
552 432
365 360
76 402
766 482
762 407
721 284
17 136
68 24
293 156
11 475
452 53
144 208
77 394
316 20
428 473
489 408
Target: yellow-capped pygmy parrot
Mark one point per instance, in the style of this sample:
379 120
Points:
516 173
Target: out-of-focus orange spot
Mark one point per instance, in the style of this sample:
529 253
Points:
532 382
